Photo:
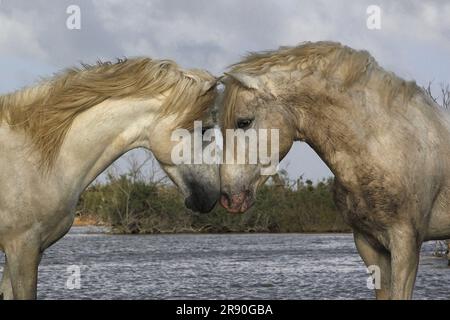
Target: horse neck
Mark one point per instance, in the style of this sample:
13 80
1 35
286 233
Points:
353 130
102 134
335 124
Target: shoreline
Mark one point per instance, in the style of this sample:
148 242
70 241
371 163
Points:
87 222
90 222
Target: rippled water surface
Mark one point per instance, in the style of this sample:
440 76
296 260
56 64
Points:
253 266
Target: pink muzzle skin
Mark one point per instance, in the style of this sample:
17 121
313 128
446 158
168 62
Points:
237 203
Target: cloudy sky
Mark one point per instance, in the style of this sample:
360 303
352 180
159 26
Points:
414 39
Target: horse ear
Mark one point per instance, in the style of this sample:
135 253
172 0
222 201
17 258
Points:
248 81
207 86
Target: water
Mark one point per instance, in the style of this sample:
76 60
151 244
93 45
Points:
250 266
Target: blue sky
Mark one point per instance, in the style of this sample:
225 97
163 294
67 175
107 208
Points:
414 39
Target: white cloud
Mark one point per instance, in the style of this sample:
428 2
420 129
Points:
19 38
420 21
213 34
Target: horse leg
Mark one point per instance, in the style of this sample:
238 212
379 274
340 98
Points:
23 256
405 254
5 286
373 256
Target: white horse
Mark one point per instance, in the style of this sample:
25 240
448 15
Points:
386 141
57 137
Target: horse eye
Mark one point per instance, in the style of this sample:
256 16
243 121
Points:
244 123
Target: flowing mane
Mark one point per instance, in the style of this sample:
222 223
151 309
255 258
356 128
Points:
45 112
330 59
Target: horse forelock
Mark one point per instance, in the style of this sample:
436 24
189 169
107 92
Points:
228 100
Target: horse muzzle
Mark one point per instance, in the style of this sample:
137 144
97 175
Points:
237 203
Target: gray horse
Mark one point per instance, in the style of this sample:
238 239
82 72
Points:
57 137
386 142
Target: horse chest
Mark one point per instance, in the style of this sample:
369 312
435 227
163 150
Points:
370 218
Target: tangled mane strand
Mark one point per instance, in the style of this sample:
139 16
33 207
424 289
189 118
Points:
232 89
46 112
326 58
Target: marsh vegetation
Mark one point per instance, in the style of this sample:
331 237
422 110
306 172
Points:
143 201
